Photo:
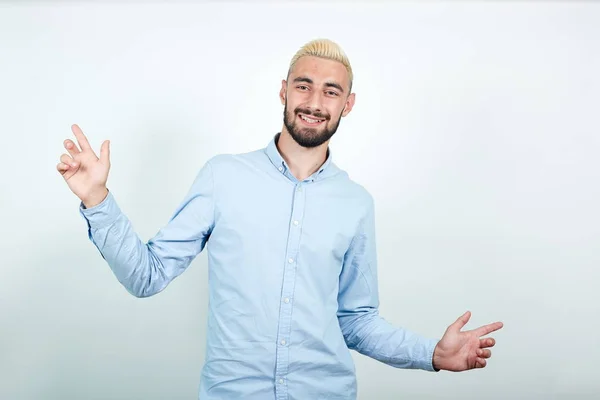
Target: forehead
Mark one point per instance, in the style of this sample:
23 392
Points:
320 70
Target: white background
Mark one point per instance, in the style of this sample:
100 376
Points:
475 128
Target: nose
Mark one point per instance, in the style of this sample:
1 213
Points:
314 101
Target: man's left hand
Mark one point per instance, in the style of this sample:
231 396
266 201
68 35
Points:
461 351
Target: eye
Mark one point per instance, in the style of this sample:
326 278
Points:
332 93
302 87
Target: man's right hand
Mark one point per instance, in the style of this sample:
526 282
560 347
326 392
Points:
84 172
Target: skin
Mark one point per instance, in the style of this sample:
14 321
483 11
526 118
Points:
316 88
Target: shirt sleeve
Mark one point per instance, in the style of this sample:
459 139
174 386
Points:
145 269
363 328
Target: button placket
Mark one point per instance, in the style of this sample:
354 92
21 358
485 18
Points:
291 264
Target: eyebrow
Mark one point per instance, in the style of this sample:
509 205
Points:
327 84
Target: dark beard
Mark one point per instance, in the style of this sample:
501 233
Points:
309 137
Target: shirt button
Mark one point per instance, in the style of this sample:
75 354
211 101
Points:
286 300
296 223
291 260
282 342
299 188
280 168
280 380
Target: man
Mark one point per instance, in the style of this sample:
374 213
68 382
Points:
291 251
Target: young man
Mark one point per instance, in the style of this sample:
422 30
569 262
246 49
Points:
291 251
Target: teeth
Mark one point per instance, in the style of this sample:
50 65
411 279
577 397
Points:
310 120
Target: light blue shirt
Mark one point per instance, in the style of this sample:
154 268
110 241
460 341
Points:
292 276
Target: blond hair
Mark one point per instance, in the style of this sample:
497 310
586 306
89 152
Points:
323 48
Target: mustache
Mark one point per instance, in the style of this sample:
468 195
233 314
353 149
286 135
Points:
309 112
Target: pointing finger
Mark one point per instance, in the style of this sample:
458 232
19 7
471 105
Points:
484 330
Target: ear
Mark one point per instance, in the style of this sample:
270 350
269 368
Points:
349 104
282 91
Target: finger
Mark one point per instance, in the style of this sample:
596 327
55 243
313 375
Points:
480 363
462 321
484 330
484 353
67 170
66 159
71 147
487 342
62 167
105 153
81 139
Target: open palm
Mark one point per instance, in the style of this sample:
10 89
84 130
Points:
461 351
85 173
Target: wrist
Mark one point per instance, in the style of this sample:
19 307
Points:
435 360
95 197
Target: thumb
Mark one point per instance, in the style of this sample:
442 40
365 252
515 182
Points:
461 321
105 152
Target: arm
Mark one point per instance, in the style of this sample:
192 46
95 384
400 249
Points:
145 269
363 328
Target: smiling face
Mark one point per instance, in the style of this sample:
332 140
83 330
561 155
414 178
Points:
316 96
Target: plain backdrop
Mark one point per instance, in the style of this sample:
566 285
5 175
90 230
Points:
475 129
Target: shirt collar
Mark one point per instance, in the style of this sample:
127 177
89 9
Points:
327 169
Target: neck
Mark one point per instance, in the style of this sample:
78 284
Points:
302 161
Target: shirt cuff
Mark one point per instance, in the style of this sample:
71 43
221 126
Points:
103 214
427 363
